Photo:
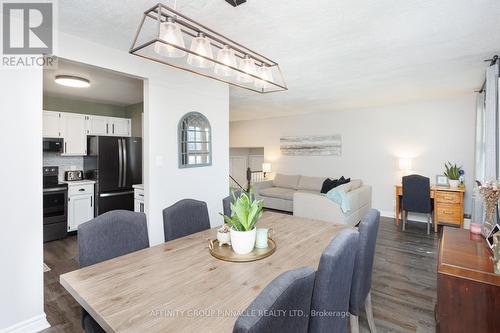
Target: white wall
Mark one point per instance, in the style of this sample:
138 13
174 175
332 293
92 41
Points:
21 278
432 132
168 94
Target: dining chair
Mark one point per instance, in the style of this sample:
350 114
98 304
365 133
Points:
417 198
288 295
332 286
185 217
363 267
108 236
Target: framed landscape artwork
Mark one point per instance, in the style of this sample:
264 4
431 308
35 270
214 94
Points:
311 145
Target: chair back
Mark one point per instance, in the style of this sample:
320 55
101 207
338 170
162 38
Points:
227 201
111 235
416 194
363 265
290 292
185 217
332 285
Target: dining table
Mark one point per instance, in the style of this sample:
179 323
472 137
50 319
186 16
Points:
178 286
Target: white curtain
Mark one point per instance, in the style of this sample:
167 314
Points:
487 130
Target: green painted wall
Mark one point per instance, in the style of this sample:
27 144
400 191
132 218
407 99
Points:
52 103
134 112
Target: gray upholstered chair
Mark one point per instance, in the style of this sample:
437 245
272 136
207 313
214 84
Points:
290 291
363 266
185 217
417 198
332 286
108 236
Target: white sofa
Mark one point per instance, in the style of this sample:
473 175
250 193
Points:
301 195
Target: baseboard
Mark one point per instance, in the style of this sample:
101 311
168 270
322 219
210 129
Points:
417 217
32 325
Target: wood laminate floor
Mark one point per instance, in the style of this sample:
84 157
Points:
403 284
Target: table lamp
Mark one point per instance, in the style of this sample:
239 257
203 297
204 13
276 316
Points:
266 168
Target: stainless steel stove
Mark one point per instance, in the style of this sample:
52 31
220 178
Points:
55 205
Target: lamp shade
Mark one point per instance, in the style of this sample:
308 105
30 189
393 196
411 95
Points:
171 33
201 45
264 72
405 164
266 167
247 65
227 57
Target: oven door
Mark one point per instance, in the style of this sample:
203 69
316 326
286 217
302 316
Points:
55 205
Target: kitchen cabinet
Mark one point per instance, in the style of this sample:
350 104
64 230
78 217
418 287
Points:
52 124
97 125
108 126
119 126
74 134
80 203
138 198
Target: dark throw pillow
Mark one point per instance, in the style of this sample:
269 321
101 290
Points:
328 184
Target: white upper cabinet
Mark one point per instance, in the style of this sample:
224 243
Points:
97 125
74 134
51 124
119 127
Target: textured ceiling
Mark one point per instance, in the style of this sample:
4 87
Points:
335 54
105 86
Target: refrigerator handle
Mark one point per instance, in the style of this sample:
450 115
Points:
120 162
125 157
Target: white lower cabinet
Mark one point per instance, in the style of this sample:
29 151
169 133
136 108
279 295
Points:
139 200
80 204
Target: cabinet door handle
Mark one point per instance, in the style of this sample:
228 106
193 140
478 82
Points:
447 212
91 200
65 147
107 128
113 128
81 190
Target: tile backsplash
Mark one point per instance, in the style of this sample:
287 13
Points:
63 162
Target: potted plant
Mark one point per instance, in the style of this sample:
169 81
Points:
453 174
245 213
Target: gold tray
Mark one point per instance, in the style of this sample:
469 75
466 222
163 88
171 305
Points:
226 253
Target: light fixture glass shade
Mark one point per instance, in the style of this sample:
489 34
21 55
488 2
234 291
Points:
72 81
201 45
266 167
264 72
171 33
247 65
227 57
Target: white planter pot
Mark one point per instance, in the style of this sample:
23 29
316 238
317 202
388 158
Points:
243 242
453 183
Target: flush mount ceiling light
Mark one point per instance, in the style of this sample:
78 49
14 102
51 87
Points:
168 37
72 81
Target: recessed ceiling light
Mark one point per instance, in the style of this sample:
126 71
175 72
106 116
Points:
72 81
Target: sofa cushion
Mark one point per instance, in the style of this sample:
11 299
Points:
277 192
328 184
309 191
310 183
355 184
286 181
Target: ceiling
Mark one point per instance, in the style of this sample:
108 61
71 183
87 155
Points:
106 86
335 54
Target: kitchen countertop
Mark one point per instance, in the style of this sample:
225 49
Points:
79 182
138 186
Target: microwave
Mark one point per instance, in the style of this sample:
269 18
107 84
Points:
53 144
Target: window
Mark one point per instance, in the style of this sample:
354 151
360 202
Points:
195 141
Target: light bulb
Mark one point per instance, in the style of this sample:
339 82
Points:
227 57
201 45
171 33
265 73
247 65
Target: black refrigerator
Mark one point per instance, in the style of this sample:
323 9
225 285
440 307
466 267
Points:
115 163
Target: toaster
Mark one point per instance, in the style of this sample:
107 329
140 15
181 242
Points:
73 175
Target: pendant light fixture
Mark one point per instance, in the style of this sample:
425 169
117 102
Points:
162 36
228 58
171 33
201 45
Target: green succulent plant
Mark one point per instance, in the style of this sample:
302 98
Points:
245 212
452 171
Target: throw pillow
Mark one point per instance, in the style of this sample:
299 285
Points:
328 184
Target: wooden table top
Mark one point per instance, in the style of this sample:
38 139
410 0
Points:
179 287
464 255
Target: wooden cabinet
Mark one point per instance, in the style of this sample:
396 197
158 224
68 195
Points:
52 124
97 125
74 134
468 290
119 126
108 126
449 207
80 204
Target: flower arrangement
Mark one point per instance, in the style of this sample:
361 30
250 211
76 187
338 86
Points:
490 193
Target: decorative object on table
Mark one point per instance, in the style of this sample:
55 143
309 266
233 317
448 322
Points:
261 240
490 193
224 235
226 253
442 180
311 145
453 174
496 253
163 36
490 239
266 168
245 213
477 212
461 180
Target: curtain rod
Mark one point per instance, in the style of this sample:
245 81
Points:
492 62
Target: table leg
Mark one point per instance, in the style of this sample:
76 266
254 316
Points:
397 208
435 220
